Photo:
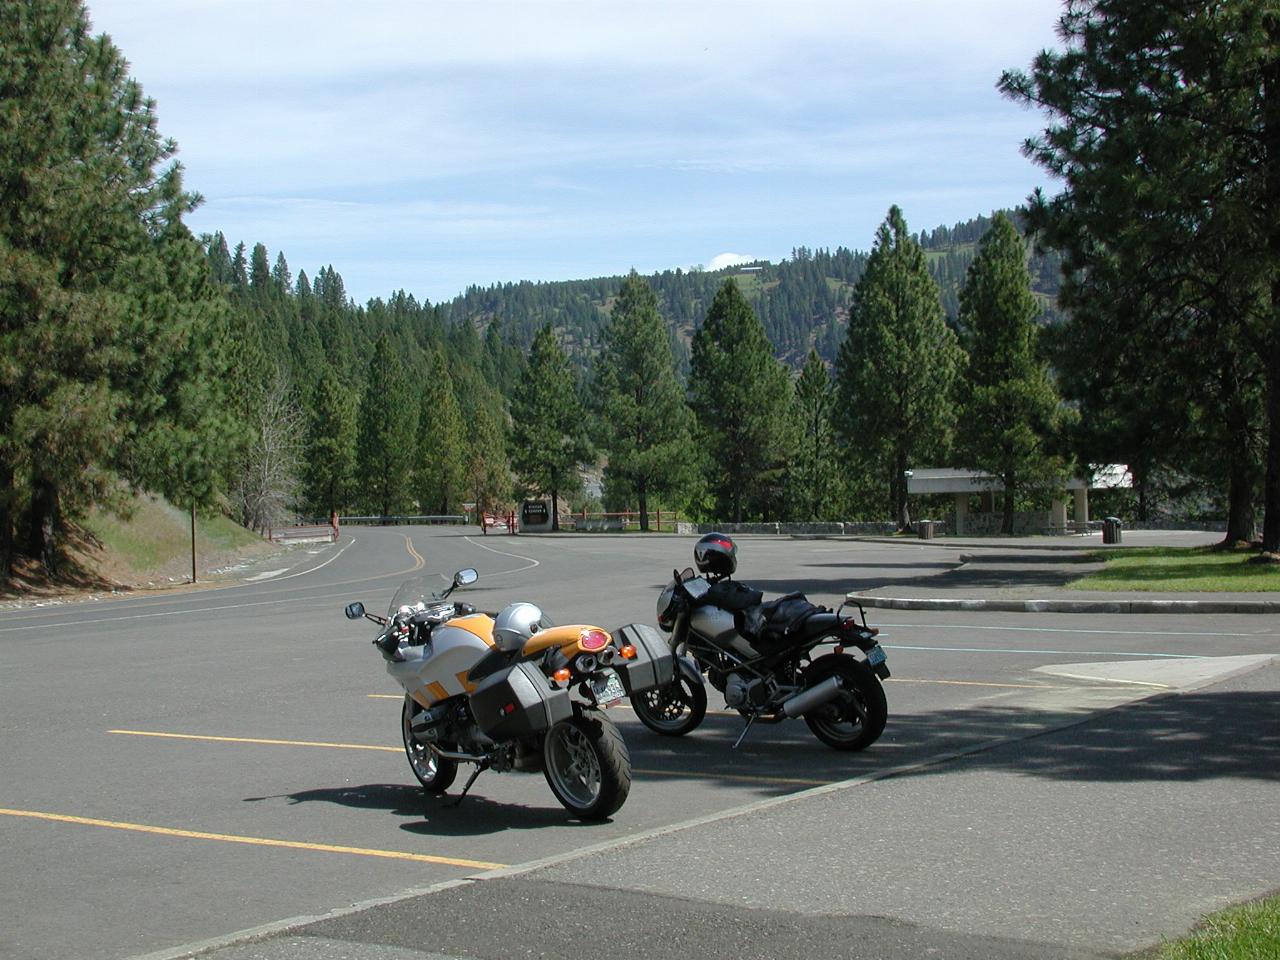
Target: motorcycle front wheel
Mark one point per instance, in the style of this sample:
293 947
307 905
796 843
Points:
436 774
855 719
675 709
587 765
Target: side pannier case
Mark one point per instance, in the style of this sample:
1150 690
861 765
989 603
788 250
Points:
653 666
518 702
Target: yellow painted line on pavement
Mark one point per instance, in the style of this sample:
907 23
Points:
408 545
278 743
253 841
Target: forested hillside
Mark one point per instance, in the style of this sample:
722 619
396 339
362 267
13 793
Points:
803 301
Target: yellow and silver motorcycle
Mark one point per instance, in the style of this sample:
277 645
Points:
512 691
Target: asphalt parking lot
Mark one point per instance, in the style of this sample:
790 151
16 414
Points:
181 767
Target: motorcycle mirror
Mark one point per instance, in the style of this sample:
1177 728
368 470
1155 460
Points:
464 577
355 610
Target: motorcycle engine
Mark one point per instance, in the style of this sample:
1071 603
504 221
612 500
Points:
741 690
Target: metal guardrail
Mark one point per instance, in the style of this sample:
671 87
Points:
399 521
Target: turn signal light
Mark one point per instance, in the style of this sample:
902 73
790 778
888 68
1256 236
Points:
562 675
628 652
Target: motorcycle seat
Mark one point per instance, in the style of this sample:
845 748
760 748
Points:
793 618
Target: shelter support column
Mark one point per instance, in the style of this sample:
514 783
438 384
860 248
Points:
1082 507
962 511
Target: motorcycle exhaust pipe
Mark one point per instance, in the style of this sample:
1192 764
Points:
815 696
454 755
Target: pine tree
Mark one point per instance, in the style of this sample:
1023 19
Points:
741 397
1009 407
90 232
330 462
549 428
440 478
896 365
386 445
643 414
813 478
1165 129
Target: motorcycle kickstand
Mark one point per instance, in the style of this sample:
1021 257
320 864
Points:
742 736
480 768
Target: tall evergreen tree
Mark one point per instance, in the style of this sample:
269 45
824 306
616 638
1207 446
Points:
440 477
330 463
386 445
90 232
813 479
1008 405
549 426
897 364
643 415
1165 128
488 470
741 397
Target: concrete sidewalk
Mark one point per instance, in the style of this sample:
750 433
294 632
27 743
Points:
1030 575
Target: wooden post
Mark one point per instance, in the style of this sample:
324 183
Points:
193 541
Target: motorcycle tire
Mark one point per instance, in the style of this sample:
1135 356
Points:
677 708
855 719
436 774
587 765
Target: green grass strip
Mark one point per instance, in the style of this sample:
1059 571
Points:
1250 932
1195 569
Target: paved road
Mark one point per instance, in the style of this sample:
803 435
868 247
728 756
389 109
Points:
179 768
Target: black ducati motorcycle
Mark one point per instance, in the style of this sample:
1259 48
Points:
766 659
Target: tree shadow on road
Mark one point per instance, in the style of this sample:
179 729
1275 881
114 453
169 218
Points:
1174 737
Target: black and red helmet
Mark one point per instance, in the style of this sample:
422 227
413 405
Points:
716 555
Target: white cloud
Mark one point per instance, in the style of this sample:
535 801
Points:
722 260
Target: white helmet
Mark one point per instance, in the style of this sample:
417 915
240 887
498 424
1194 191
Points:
516 624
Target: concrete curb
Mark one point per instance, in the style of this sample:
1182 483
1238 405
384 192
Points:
1069 606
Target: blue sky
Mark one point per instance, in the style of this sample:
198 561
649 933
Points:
428 146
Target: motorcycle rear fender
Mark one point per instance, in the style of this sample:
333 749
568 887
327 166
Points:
518 702
568 638
654 663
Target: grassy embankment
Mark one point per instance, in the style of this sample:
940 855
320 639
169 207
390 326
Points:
1193 569
151 547
154 543
1248 932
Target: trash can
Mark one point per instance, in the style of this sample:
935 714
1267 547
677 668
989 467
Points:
1111 528
925 529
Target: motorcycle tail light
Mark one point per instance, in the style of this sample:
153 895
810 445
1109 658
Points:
562 675
593 639
628 652
851 624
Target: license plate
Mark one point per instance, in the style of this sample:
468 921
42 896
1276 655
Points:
608 692
875 656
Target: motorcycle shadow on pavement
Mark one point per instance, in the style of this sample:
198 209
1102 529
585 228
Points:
433 815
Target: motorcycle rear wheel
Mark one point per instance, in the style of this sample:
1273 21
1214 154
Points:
675 709
855 719
587 765
436 774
